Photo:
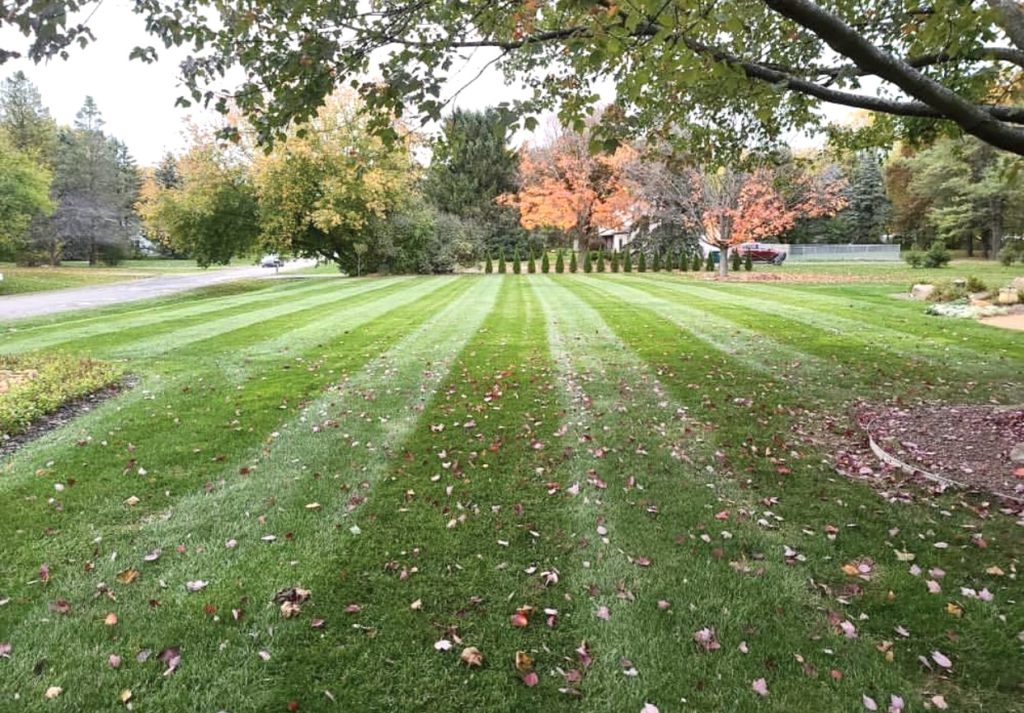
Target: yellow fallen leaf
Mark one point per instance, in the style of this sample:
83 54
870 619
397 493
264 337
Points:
313 506
850 570
994 571
132 501
125 695
523 662
954 610
416 605
52 692
111 619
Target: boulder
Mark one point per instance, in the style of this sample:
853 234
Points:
1017 454
1018 284
921 291
1008 296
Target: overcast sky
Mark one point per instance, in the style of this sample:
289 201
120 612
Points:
137 99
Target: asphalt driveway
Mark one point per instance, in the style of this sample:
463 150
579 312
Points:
34 304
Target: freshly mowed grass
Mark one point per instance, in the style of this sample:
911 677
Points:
637 453
991 272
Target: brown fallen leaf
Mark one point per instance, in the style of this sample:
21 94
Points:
128 576
523 662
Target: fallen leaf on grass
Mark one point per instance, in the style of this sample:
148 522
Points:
264 654
869 703
939 702
472 657
52 692
114 661
705 638
110 619
290 609
603 613
127 576
196 585
5 649
941 659
44 573
170 656
443 645
523 662
132 501
649 708
531 679
60 606
125 695
895 704
760 687
151 556
584 654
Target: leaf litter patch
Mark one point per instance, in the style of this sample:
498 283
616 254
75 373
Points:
971 447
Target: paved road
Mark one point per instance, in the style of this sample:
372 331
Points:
33 304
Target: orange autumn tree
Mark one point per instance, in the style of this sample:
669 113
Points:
564 186
726 207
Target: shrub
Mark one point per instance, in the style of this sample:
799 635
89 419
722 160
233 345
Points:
748 262
1012 252
735 260
488 266
642 262
684 262
572 262
937 256
54 380
587 264
615 262
111 254
627 264
531 265
545 264
695 265
600 260
502 268
709 264
656 267
559 263
517 266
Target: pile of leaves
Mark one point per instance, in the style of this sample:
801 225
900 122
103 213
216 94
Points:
39 385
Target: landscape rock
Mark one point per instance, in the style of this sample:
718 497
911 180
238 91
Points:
1017 453
921 291
1008 296
1018 284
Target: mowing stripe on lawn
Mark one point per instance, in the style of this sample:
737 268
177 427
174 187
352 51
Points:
284 314
898 341
850 361
757 350
200 520
652 500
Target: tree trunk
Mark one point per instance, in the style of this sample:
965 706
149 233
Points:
997 229
970 245
723 261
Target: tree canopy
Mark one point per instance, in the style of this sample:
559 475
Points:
720 73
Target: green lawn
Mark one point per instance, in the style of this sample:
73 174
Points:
990 271
80 274
643 454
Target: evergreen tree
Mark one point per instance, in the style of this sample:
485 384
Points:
531 266
29 127
642 265
587 264
559 263
615 261
516 264
167 174
545 264
735 260
695 264
627 265
656 267
572 262
709 265
684 262
471 166
502 270
748 262
869 206
488 267
600 260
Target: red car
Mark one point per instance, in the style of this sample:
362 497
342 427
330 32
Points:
760 252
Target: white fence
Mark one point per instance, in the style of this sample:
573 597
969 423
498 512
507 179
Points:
842 253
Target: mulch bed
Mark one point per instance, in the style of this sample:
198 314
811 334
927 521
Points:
937 446
63 415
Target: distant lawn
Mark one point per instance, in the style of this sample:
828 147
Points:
622 482
80 274
990 271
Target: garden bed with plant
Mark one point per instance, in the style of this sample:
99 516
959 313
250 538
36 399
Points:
33 387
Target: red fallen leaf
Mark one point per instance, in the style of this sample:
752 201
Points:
760 687
5 649
60 606
317 624
1019 472
353 609
723 515
293 706
44 573
836 674
584 655
642 562
531 679
782 470
519 621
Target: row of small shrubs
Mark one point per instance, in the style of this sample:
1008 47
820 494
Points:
935 256
46 384
599 261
